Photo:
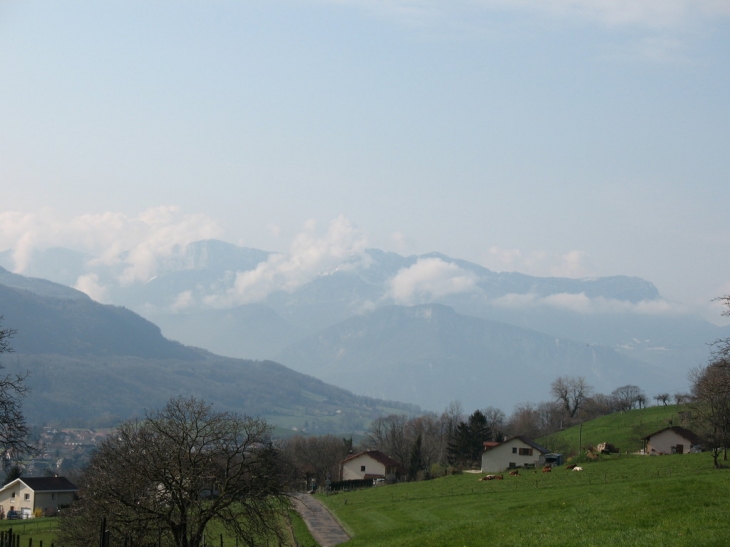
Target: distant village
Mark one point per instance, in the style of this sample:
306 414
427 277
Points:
62 450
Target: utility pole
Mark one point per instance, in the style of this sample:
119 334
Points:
580 437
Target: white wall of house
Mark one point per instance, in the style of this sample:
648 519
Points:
357 468
511 453
18 496
663 442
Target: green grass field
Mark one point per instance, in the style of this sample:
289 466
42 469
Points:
39 529
623 429
619 500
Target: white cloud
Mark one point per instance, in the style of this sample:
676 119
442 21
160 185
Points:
183 301
539 263
580 303
430 278
90 285
134 243
309 256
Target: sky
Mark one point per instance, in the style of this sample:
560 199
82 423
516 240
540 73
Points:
574 138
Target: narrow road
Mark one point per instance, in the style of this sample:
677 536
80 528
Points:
323 526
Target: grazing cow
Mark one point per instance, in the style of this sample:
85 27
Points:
547 469
487 478
514 473
571 466
499 477
577 469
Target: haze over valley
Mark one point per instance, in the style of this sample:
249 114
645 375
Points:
386 202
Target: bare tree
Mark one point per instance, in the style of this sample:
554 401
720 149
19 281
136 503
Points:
315 457
571 392
628 397
163 479
13 428
711 392
388 434
496 420
433 436
524 420
662 398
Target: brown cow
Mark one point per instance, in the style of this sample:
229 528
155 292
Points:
571 466
514 473
499 477
547 469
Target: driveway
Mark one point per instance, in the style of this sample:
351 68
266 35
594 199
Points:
323 526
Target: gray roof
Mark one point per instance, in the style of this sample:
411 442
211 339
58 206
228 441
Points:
692 437
49 484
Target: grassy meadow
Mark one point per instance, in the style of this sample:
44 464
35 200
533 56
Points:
618 500
623 429
38 529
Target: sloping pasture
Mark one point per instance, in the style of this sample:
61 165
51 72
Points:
623 429
626 500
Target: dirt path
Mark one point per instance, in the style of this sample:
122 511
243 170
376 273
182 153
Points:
323 526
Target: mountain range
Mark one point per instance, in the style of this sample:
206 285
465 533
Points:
424 329
94 365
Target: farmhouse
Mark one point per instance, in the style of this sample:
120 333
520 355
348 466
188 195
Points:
28 494
371 464
672 440
517 451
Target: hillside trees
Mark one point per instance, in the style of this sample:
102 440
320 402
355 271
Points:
467 444
163 479
316 457
13 429
711 395
572 392
711 392
628 397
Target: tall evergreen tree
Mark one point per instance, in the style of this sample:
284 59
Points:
467 444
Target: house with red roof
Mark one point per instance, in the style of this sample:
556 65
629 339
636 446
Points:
370 464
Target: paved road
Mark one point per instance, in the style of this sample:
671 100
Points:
323 526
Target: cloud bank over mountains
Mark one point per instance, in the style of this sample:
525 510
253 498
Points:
125 251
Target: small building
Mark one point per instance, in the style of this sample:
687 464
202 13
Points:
515 452
371 464
27 494
672 440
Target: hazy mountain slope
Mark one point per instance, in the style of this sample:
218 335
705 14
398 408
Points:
80 326
253 330
431 355
625 314
96 364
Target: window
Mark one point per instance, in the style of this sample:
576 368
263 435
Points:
514 450
26 497
362 468
525 451
53 496
12 496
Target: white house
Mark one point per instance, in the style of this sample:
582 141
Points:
371 464
27 494
672 440
517 451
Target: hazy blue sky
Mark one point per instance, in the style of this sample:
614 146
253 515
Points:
552 137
